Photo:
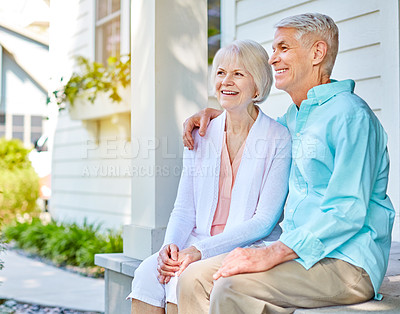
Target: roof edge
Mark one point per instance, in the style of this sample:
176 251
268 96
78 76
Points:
26 33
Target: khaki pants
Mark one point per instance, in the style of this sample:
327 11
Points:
281 289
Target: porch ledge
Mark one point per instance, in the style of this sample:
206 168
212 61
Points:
117 262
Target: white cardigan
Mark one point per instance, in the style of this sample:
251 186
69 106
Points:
258 195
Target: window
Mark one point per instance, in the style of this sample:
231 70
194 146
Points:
18 127
18 121
108 29
36 128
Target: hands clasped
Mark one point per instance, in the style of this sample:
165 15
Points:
172 262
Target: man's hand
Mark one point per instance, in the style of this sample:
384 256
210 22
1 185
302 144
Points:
251 260
198 120
186 257
168 263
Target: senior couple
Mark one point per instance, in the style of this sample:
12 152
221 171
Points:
224 251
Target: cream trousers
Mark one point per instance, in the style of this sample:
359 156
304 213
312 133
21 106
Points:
281 289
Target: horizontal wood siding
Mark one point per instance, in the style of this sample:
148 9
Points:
88 182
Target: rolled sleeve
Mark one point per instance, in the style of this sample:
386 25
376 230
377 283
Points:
307 246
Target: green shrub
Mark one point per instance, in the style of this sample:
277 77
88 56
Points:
13 155
19 183
63 243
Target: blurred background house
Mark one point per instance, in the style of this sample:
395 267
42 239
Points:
24 78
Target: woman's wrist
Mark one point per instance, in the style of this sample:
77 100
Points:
194 251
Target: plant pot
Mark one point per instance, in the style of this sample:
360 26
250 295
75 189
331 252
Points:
103 106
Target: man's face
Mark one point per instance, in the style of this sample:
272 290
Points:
291 61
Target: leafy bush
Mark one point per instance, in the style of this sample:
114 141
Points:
63 243
19 183
13 155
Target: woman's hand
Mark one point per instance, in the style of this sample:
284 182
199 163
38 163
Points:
168 263
186 257
198 120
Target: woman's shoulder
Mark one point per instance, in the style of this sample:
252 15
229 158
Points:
273 127
215 126
213 134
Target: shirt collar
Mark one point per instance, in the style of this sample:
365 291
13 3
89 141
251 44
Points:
322 93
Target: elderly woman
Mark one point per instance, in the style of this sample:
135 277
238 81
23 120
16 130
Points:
233 184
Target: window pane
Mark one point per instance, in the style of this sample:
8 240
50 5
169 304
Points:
18 120
116 5
36 121
18 135
108 40
2 119
101 8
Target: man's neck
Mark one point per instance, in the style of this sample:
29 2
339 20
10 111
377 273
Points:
299 97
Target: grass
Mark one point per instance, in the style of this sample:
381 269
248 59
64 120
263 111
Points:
65 244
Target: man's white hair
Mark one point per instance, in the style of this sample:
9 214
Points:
315 26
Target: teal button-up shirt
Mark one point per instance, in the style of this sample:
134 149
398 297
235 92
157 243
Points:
337 205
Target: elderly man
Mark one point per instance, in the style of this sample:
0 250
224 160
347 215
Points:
338 219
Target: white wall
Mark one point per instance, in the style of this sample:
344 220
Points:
90 175
368 53
23 62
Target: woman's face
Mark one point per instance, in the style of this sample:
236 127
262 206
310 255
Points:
234 86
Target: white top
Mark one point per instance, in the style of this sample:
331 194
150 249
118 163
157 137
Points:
258 195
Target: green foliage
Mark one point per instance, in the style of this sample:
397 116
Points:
212 31
94 78
63 243
13 155
19 183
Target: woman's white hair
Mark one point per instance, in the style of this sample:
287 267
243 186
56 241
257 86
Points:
253 57
315 26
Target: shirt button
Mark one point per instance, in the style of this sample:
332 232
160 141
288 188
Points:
298 134
303 190
291 210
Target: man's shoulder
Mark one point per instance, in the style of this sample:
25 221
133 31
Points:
350 109
350 105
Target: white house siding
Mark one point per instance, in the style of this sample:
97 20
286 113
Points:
20 94
91 175
368 53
